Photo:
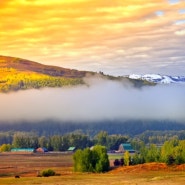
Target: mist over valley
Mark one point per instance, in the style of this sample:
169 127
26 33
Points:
102 101
35 94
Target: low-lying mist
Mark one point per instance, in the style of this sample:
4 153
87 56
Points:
100 100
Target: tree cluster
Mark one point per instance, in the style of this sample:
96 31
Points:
171 152
59 142
91 160
157 137
14 80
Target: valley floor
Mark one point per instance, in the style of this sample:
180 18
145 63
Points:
27 167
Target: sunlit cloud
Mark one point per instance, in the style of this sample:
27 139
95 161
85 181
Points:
95 35
159 13
180 33
178 22
182 11
172 2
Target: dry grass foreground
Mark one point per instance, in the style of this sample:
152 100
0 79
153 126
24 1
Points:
28 165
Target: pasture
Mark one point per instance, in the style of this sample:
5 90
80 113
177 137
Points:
27 167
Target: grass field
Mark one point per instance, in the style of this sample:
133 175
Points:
27 167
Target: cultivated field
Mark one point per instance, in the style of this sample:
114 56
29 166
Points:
27 166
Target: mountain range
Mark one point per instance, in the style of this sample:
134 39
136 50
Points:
159 79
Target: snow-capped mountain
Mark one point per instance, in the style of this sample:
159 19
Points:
156 78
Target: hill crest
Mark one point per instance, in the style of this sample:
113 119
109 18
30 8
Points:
20 74
26 65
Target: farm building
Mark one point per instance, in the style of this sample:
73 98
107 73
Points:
126 147
23 150
41 150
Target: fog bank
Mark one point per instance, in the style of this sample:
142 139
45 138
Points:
101 100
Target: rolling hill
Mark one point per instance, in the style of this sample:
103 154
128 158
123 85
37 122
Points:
22 65
20 74
17 74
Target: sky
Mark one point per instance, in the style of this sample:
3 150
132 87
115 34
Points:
118 37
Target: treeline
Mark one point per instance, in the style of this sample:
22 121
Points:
96 159
132 128
59 142
157 137
60 137
171 152
26 80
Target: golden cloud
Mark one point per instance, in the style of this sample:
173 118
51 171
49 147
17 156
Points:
74 30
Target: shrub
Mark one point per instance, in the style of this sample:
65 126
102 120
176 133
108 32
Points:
116 162
47 173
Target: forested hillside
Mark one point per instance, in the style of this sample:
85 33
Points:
16 74
131 128
20 74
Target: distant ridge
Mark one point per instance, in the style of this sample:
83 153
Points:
161 79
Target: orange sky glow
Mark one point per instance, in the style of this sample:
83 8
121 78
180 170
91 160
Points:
115 36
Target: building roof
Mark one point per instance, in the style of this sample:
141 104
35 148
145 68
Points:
71 148
22 150
126 147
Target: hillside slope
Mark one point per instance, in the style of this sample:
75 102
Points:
23 65
20 74
16 74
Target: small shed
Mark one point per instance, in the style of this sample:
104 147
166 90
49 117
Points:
71 149
41 150
126 147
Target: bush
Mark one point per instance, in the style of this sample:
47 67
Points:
95 160
170 160
118 162
47 173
